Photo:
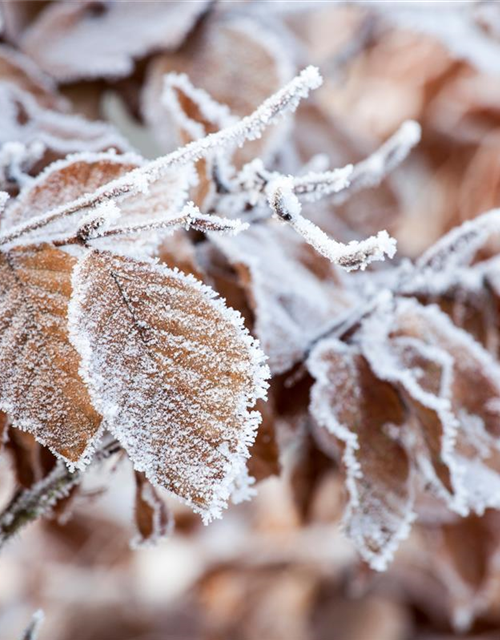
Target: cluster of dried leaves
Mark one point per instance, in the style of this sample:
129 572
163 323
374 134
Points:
191 280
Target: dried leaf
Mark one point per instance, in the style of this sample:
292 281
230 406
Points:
40 386
92 39
365 416
153 519
185 373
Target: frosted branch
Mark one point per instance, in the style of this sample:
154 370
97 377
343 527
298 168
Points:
32 630
138 180
355 255
314 186
4 196
370 172
30 504
438 268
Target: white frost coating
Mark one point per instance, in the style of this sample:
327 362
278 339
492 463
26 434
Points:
367 519
140 179
370 172
355 255
156 409
442 265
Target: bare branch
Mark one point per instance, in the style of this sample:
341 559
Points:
32 630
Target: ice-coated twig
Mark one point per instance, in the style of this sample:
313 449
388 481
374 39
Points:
138 180
370 172
32 630
30 504
189 218
439 267
16 159
314 186
355 255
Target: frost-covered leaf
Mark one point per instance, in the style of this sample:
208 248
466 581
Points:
294 292
40 387
366 416
153 520
185 373
80 174
237 61
71 40
452 386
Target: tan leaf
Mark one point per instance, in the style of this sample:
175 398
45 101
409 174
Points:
68 179
452 386
31 461
91 39
185 373
365 416
153 520
40 386
237 61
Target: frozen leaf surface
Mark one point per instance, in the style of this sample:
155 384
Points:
362 413
91 39
185 373
40 387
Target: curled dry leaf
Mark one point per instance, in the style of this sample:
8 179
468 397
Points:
237 61
72 41
31 461
40 386
153 519
365 416
185 374
451 384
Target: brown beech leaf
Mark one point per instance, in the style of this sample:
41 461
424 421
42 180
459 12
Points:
68 179
153 520
452 386
264 460
237 61
99 39
31 460
40 386
463 557
293 291
185 372
365 416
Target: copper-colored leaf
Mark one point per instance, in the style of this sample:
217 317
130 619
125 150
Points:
365 416
40 386
153 519
185 372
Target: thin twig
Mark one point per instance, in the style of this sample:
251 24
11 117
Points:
29 504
